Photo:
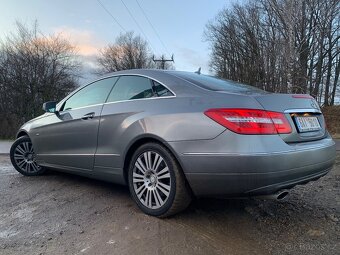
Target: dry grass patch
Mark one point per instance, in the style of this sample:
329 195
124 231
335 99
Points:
332 117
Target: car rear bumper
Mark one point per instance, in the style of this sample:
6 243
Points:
257 172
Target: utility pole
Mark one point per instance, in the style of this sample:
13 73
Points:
163 60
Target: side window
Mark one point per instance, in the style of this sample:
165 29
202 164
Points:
95 93
131 87
160 90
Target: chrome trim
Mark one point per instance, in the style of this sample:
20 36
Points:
139 99
234 154
82 107
121 101
76 90
141 75
302 110
106 77
62 154
52 154
109 154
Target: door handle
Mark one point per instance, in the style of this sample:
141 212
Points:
88 116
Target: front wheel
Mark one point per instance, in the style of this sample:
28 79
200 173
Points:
156 181
23 157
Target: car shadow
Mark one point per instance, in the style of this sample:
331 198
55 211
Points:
214 209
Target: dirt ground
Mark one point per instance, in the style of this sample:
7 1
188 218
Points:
64 214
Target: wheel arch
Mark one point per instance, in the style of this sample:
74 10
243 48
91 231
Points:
21 133
137 142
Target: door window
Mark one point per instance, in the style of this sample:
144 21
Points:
131 87
95 93
160 90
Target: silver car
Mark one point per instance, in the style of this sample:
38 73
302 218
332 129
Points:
172 135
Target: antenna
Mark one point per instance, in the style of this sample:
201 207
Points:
198 71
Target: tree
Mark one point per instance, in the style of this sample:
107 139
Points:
128 52
34 68
289 46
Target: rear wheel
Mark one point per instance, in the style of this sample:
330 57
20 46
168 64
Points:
23 157
156 181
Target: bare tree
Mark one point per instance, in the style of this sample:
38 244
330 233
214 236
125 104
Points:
128 52
33 68
281 46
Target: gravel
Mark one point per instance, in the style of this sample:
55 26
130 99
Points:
64 214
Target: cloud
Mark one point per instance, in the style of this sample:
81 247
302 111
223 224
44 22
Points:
89 69
87 46
85 41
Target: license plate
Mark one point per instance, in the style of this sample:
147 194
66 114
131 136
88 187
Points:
306 124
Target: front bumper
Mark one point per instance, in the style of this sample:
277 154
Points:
255 166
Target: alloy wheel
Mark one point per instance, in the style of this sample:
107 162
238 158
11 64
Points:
24 158
151 179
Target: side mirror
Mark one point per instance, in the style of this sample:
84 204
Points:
50 106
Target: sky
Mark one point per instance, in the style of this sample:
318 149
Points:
179 23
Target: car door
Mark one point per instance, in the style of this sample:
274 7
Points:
118 112
69 138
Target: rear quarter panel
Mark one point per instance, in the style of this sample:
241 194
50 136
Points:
169 119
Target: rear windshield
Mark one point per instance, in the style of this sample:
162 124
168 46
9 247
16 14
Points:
217 84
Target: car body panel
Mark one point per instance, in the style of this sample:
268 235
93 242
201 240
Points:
292 106
249 165
65 139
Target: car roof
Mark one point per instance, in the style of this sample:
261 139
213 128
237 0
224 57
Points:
168 78
182 82
146 72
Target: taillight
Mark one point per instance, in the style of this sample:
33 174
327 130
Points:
251 121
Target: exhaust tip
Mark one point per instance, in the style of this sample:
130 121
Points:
282 195
276 196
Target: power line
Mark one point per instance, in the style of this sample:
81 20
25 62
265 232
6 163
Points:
111 16
138 25
163 60
153 28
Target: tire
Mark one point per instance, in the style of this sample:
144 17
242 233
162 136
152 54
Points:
23 157
156 181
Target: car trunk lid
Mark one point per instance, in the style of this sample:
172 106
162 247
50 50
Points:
302 112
